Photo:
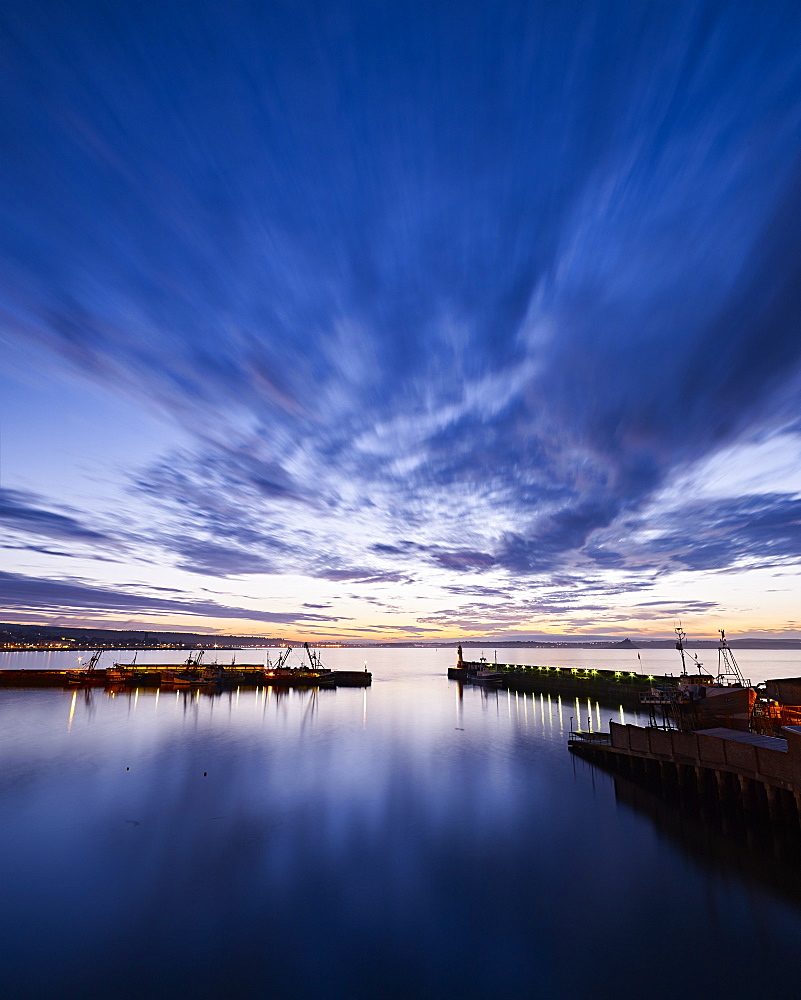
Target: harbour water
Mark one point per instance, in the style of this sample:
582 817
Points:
414 839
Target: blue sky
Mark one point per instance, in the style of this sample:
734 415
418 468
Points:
345 320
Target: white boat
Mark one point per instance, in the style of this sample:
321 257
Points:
486 676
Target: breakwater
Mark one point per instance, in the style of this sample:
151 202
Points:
611 687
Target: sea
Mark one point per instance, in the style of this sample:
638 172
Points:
415 839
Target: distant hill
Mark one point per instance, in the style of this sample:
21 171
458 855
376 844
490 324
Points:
85 638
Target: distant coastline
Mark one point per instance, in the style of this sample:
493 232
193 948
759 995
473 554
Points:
22 638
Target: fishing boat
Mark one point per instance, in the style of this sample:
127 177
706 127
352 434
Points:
187 674
191 673
699 699
728 696
87 674
315 661
126 675
315 674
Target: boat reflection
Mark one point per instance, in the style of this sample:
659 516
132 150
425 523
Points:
190 698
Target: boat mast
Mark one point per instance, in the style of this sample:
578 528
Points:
728 670
680 636
90 666
680 646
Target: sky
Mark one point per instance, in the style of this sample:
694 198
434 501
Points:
405 320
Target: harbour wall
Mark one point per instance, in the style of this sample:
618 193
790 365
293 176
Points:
757 773
151 678
610 687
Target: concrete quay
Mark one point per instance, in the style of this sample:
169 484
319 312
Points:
755 773
150 677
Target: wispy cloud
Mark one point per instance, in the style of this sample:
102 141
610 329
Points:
27 594
23 512
438 302
762 530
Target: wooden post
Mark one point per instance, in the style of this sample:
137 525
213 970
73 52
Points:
774 806
797 797
745 791
720 779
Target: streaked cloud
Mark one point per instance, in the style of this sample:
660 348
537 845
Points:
432 304
24 512
56 597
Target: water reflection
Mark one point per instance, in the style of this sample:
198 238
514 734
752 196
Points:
411 839
721 843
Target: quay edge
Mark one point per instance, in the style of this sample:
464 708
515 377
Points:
152 679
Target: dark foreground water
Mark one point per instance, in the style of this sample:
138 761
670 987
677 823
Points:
412 840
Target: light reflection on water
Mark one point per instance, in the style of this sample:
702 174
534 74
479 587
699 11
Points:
411 839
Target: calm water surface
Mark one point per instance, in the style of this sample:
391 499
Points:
410 840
